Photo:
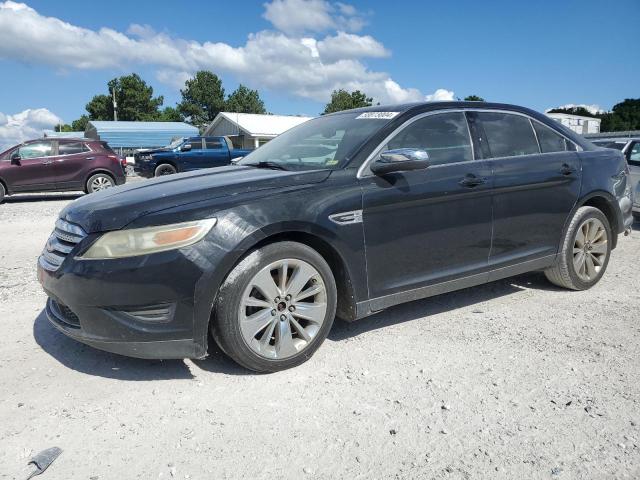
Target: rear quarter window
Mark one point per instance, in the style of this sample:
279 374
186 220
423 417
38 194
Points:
549 140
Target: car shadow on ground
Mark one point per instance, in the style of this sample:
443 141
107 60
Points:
42 197
86 359
440 304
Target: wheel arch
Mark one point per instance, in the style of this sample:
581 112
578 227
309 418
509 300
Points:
4 184
94 172
607 204
163 161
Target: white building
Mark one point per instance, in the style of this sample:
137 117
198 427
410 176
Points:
250 130
577 123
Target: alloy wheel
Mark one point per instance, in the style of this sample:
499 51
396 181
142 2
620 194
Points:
590 249
100 183
283 308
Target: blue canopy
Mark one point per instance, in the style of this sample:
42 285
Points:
138 134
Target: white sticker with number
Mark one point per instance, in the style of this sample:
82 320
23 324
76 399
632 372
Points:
378 115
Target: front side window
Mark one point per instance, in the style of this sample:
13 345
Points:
195 144
70 148
445 137
507 135
35 150
549 140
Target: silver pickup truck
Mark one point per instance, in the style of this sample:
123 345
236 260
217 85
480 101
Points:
630 147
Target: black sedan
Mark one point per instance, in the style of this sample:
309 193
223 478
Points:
344 215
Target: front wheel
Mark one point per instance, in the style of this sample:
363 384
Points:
276 307
99 182
585 251
165 169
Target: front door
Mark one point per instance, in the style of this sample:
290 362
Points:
33 170
426 227
536 175
194 158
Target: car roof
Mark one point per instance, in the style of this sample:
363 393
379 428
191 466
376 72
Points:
405 107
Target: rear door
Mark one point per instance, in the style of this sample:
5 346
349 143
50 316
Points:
216 152
537 178
34 170
71 163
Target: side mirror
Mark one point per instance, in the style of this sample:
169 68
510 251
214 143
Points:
400 160
15 158
186 147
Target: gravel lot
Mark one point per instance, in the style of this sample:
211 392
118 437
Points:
515 379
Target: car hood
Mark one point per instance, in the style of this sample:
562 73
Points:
116 207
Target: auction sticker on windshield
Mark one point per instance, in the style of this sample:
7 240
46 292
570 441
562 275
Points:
378 115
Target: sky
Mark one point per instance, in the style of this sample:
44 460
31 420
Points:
56 55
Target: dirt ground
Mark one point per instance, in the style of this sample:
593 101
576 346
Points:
515 379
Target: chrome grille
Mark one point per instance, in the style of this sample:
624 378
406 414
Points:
65 236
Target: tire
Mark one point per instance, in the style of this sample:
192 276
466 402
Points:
572 273
2 192
164 169
99 182
272 334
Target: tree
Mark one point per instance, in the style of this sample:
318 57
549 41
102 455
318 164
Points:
134 99
170 114
245 100
202 98
581 111
80 125
623 116
63 127
343 100
474 98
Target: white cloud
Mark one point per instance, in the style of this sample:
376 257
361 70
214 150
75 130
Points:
593 109
299 16
348 45
440 95
276 60
25 125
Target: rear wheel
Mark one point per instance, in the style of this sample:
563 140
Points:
165 169
585 252
2 193
276 307
99 182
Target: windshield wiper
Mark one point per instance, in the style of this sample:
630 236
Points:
267 164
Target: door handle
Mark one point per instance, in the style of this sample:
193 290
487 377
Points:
90 158
48 162
567 169
471 181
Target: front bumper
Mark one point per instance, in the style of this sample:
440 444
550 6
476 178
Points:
148 307
144 168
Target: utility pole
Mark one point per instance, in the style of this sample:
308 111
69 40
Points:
115 105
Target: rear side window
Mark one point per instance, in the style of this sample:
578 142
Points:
70 148
35 150
549 140
106 146
507 135
213 143
445 137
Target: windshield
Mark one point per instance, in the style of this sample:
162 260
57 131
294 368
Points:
175 143
322 143
610 144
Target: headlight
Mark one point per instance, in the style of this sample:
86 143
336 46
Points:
142 241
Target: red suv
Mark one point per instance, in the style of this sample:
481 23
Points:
60 164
